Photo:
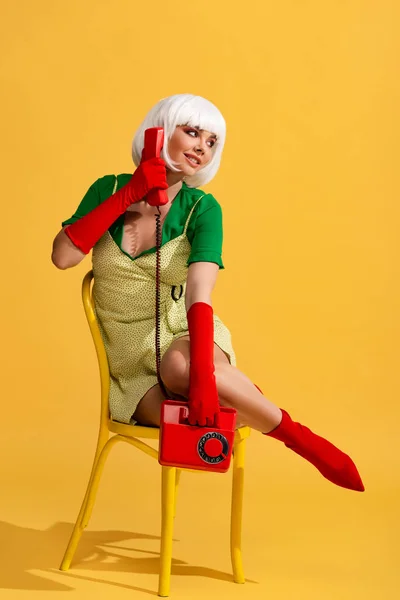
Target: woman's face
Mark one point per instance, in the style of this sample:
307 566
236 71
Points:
191 148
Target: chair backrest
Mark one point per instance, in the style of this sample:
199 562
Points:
88 305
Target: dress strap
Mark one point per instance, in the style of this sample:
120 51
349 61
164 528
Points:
190 214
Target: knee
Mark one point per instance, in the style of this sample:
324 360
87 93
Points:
174 371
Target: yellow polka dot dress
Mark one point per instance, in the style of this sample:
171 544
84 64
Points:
124 293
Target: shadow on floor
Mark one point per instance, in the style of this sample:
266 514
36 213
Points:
24 550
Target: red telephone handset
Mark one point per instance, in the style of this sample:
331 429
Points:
153 143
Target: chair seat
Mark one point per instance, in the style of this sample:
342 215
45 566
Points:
153 433
139 431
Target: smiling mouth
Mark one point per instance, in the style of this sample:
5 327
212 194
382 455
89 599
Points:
192 159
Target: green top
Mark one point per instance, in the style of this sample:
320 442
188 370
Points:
204 231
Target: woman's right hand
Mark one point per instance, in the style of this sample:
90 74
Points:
150 174
85 233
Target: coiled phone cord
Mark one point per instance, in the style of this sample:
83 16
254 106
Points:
158 351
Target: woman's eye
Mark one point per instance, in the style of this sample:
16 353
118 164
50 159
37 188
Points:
195 133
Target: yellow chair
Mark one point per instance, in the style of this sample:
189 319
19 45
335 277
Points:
170 475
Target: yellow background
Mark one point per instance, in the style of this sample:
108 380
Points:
309 188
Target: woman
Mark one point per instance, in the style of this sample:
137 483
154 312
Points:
198 361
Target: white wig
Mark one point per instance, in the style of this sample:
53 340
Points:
184 109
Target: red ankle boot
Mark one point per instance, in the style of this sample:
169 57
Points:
331 462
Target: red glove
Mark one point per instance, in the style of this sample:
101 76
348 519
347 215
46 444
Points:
149 175
203 399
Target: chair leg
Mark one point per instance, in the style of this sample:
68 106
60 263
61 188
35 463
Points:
177 480
237 510
167 527
102 451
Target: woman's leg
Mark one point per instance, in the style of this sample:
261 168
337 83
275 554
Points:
236 390
148 410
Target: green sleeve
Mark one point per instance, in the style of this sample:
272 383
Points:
208 234
96 194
